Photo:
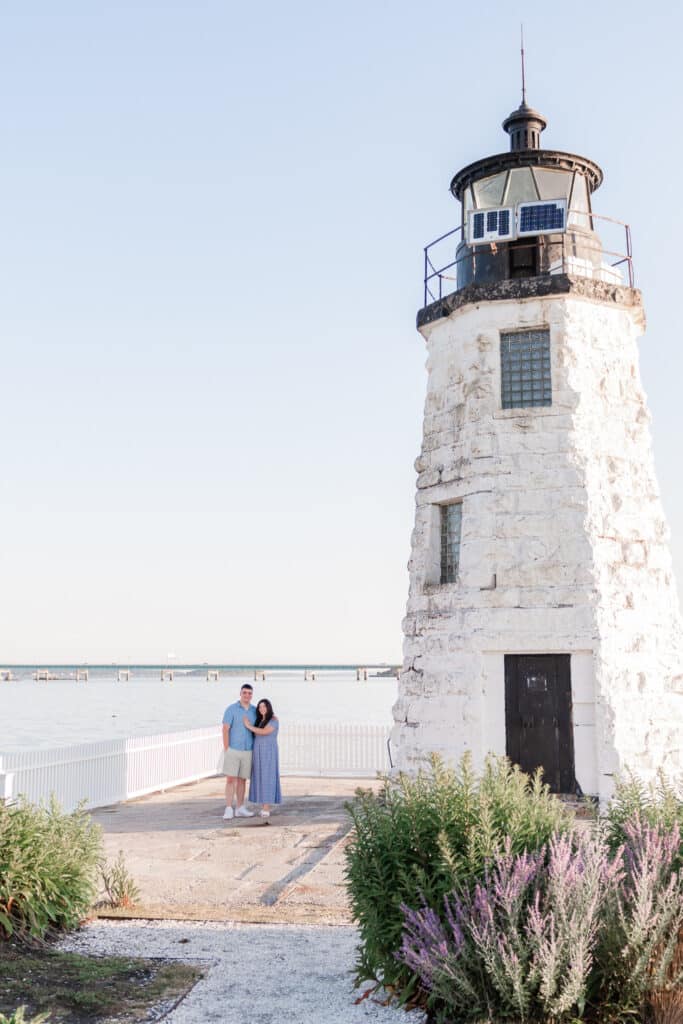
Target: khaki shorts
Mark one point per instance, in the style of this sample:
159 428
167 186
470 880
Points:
235 763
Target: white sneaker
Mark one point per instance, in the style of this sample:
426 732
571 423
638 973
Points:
264 814
228 814
242 812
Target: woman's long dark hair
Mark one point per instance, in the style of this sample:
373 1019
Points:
262 720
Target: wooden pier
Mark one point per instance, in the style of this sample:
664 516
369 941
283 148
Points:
43 675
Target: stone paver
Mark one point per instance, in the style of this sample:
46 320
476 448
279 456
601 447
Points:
190 864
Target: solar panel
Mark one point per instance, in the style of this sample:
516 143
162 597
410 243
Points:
541 218
492 225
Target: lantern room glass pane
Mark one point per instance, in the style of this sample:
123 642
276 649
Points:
579 205
525 369
521 187
489 191
451 529
553 184
467 204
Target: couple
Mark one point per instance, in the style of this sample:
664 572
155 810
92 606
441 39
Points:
250 752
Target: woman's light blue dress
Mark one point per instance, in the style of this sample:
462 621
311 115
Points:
264 787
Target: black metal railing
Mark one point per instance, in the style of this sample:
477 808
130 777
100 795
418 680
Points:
587 257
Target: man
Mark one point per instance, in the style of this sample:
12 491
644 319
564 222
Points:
238 743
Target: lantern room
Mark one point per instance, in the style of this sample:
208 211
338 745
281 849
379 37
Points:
527 213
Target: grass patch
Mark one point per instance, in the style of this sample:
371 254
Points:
76 989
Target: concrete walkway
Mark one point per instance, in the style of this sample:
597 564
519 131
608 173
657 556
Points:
248 899
191 865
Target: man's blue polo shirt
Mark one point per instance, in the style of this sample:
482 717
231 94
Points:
240 738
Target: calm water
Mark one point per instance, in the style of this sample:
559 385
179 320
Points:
63 711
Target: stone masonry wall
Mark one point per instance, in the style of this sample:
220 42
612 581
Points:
564 544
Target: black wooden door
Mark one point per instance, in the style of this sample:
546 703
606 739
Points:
538 717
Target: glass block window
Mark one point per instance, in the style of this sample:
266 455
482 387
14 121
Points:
525 369
451 527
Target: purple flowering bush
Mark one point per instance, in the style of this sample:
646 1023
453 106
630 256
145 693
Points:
640 949
423 836
572 930
658 803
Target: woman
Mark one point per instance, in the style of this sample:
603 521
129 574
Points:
264 787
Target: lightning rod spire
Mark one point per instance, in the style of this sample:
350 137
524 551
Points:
521 33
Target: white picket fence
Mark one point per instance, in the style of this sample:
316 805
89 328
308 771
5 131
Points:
107 772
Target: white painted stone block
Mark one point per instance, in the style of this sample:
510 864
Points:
585 756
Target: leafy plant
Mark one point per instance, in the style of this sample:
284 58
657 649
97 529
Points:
423 836
19 1017
119 886
48 868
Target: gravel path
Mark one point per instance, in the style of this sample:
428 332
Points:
256 974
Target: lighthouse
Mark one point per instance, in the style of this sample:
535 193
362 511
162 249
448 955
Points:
542 618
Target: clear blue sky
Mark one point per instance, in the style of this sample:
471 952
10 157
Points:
212 220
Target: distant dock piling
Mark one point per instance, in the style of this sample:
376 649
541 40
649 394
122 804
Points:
361 675
81 675
167 675
308 675
5 675
259 675
123 675
212 675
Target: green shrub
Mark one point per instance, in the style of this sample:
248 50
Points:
18 1017
48 868
657 803
422 836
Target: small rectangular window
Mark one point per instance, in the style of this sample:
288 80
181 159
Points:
525 369
451 526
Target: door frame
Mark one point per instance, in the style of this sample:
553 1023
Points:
564 714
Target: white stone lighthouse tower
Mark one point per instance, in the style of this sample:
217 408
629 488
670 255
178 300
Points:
542 619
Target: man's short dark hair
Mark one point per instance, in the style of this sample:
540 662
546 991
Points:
246 686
